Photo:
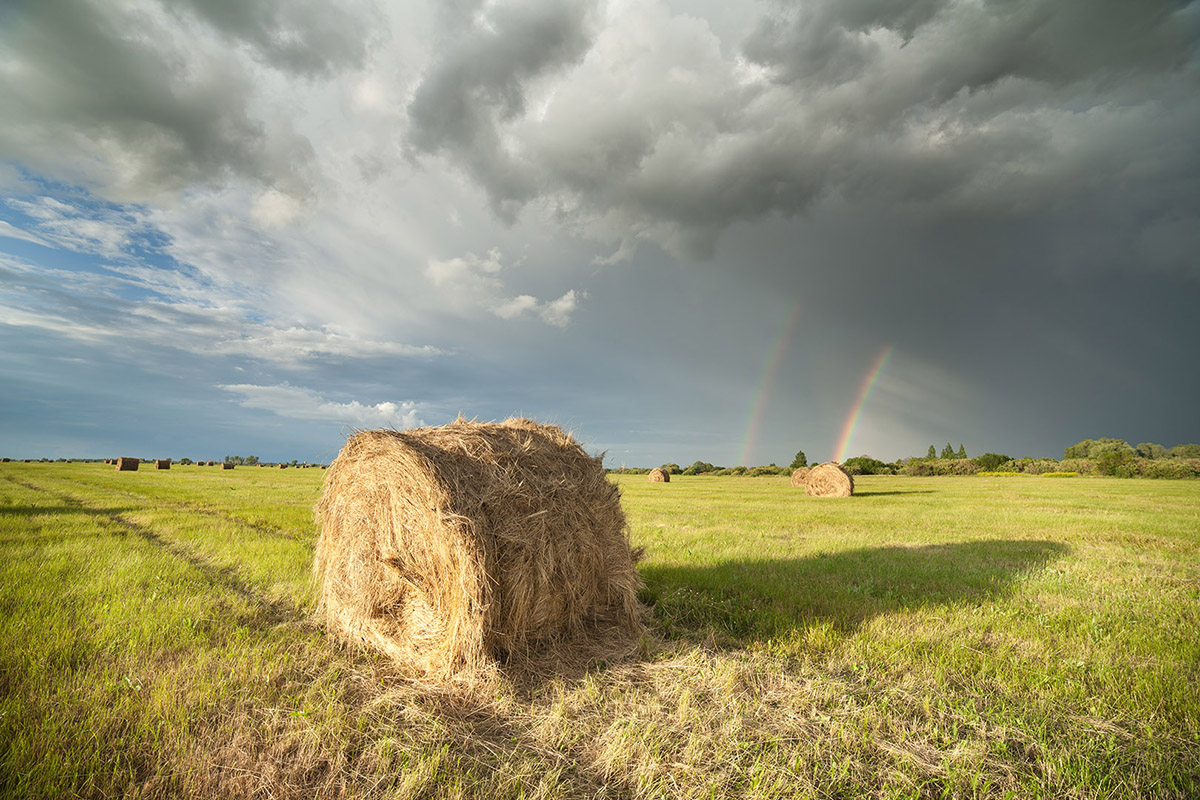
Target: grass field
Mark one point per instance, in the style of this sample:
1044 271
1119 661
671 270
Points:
939 637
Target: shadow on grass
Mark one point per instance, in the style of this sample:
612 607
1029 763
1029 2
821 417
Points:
748 601
859 493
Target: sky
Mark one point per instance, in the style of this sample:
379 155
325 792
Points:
681 230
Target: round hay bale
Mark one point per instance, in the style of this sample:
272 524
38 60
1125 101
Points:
659 475
162 463
455 548
829 480
800 476
226 465
127 464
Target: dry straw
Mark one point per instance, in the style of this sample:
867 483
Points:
162 463
456 548
126 464
800 476
659 475
226 465
829 480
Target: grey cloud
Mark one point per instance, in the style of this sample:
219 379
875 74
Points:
304 36
144 106
479 83
654 132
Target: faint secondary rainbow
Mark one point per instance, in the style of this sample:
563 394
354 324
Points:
767 385
864 392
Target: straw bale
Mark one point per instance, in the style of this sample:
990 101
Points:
5 459
659 475
127 464
829 480
226 465
283 466
800 476
457 548
162 463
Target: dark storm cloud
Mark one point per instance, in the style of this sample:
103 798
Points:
657 132
478 83
154 108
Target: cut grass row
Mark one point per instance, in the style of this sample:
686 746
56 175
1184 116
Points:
933 637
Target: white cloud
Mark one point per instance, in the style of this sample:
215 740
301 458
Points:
296 402
13 232
471 282
91 306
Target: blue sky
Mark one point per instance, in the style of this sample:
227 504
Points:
683 231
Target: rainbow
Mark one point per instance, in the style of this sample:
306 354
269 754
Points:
767 385
864 391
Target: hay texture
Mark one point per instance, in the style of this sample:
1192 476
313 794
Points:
226 465
127 464
829 480
659 475
800 476
455 548
162 463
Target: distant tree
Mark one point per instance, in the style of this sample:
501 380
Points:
947 451
990 462
1185 451
672 469
864 465
932 452
1151 450
185 460
799 461
962 451
1094 448
699 468
251 460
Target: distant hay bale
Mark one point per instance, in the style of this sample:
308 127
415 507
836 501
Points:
5 460
127 464
829 480
659 475
162 463
283 466
455 548
800 476
226 465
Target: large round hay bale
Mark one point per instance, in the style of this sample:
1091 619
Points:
659 475
829 480
127 464
162 463
800 476
455 548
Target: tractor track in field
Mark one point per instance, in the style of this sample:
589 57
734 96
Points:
276 611
191 508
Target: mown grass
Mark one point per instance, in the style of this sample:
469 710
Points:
957 637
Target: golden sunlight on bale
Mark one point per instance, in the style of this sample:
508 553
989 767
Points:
455 548
127 464
800 476
829 480
659 475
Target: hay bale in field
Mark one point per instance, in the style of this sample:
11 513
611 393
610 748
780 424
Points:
455 548
800 476
5 460
127 464
162 463
829 480
226 465
283 466
659 475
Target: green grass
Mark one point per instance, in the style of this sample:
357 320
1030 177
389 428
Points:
936 637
